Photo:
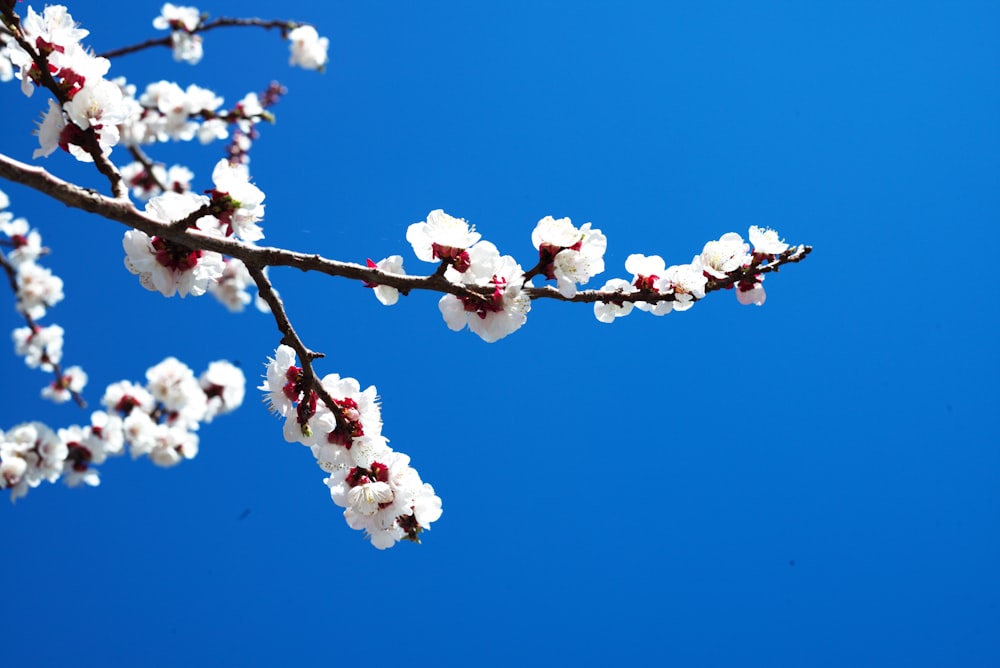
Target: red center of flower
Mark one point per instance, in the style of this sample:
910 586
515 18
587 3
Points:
481 306
126 404
646 282
361 476
349 425
79 456
173 255
458 257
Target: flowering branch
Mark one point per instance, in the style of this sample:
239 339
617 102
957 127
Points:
46 359
264 256
189 244
221 22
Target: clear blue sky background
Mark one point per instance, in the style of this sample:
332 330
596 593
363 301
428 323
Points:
811 483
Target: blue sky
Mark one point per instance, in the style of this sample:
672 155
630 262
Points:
810 483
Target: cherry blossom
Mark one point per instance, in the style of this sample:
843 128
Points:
26 242
718 258
766 242
338 421
646 274
607 311
686 282
164 265
442 237
41 347
386 294
183 21
308 49
236 201
37 289
504 311
567 254
61 390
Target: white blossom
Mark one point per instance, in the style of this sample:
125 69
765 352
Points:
725 255
440 237
607 311
387 294
766 242
307 48
493 317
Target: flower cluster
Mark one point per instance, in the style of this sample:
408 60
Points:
85 120
495 304
182 22
37 289
93 113
158 420
234 210
380 492
728 261
341 424
569 255
306 48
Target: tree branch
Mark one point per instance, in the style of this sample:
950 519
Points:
124 212
221 22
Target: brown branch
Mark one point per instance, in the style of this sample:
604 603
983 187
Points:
221 22
48 81
147 164
264 256
291 338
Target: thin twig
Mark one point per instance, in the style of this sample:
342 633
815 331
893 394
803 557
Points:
221 22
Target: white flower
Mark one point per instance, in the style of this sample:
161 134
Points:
280 381
105 436
386 294
243 206
686 282
41 347
493 317
725 255
173 17
61 390
42 451
308 49
441 237
100 106
224 386
37 289
766 242
385 498
55 27
569 255
232 287
647 272
164 265
27 242
173 385
212 129
187 48
139 430
49 131
251 110
145 185
365 499
359 415
76 468
171 445
748 293
6 67
609 310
